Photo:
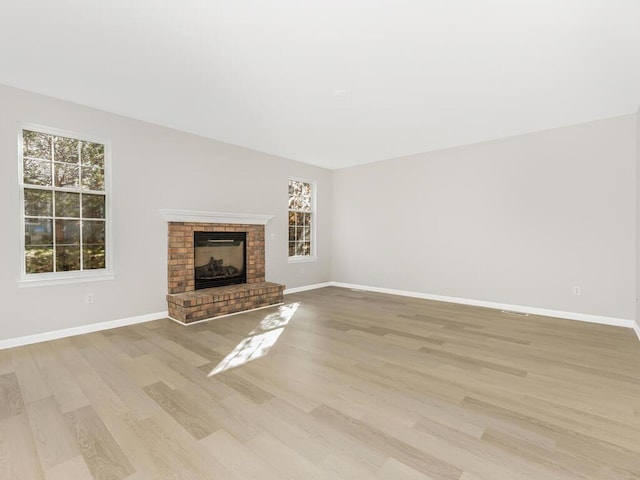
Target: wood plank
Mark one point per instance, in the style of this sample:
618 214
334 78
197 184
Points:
75 468
283 459
105 459
53 440
244 387
61 383
10 397
389 445
18 457
30 378
237 458
122 385
393 470
176 452
183 410
357 385
6 362
148 369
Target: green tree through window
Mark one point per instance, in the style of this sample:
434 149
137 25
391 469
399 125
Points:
65 203
301 221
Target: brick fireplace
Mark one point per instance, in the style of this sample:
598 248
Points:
188 305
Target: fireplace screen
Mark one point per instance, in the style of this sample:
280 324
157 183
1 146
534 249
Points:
219 258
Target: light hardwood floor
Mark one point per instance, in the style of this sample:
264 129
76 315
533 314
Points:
336 384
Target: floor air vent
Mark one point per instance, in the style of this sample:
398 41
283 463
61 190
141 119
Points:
511 312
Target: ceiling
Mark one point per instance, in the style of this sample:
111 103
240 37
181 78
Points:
332 82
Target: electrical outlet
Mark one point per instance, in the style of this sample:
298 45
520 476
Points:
577 291
89 298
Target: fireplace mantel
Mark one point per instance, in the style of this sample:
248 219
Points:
197 216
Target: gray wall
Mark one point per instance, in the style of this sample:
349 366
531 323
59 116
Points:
518 221
153 168
638 218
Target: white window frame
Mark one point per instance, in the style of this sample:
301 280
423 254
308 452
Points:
76 276
314 221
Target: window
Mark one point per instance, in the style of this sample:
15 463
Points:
301 220
64 205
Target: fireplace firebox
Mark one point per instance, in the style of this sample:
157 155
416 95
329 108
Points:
219 258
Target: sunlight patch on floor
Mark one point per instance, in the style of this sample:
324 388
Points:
260 340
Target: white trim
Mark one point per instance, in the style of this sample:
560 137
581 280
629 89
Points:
636 328
96 327
58 132
76 276
307 287
81 276
582 317
214 217
312 257
303 259
223 316
70 332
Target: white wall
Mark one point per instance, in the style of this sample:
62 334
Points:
153 168
519 221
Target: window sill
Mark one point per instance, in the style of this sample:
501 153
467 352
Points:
43 280
302 259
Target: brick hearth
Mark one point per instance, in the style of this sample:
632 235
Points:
189 305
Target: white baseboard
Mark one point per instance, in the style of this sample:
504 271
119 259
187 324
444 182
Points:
307 287
96 327
70 332
582 317
636 328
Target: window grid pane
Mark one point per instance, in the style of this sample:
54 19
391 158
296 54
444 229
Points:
37 172
64 207
39 259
